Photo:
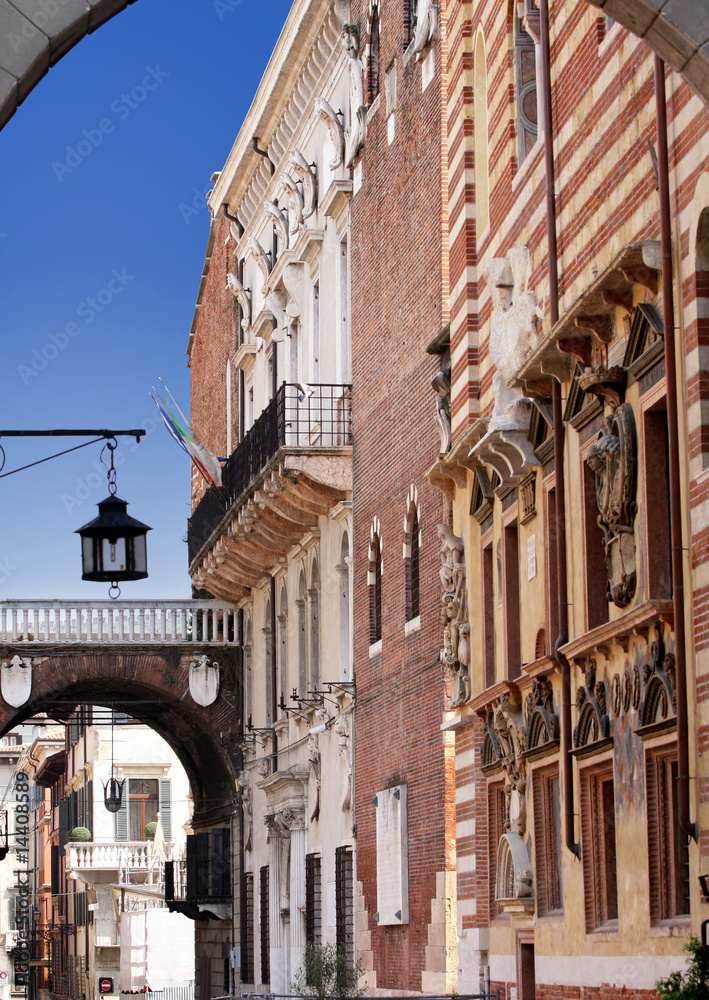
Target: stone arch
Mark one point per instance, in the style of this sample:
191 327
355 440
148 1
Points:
154 689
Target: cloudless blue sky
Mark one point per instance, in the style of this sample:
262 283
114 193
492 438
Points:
71 219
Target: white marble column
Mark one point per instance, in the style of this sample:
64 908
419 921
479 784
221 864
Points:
296 822
274 906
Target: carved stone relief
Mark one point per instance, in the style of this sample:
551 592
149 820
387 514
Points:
511 733
279 221
659 700
613 459
243 297
513 338
593 723
542 721
204 681
294 281
454 615
243 782
295 202
335 129
309 178
16 680
263 261
426 26
342 731
356 134
442 386
314 765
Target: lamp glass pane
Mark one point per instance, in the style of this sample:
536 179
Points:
87 555
114 554
140 554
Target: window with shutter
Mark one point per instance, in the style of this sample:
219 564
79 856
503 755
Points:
547 840
313 899
165 805
496 809
121 820
12 913
668 855
598 846
55 869
221 863
247 928
264 936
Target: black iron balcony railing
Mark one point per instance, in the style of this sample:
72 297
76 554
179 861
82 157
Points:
298 416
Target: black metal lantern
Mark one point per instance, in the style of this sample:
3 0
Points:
113 794
113 544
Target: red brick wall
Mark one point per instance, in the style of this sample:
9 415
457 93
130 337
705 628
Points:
213 342
396 311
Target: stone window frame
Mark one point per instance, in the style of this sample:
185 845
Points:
496 817
524 42
600 871
412 554
375 574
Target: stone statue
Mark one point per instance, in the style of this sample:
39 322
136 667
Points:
262 260
508 723
279 221
243 782
295 202
426 26
314 765
357 131
332 121
309 178
342 731
237 289
442 386
454 615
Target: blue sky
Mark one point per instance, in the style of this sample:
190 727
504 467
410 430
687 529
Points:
103 228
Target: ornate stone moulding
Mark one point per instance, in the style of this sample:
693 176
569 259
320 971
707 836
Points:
638 621
592 733
450 471
588 324
514 888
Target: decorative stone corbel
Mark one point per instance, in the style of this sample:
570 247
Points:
334 126
279 221
357 132
263 261
309 177
244 298
294 281
295 202
16 680
426 26
204 681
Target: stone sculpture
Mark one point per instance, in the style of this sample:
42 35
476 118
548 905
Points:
16 680
295 202
454 615
442 386
309 178
314 765
243 782
279 221
262 259
236 288
204 681
342 731
335 128
357 131
426 26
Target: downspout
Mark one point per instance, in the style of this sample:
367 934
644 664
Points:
274 681
688 828
562 581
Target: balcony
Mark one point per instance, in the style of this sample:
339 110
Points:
134 857
293 465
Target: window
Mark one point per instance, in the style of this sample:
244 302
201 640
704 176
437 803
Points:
344 901
598 846
373 57
270 661
313 899
302 638
668 854
482 202
314 615
514 654
488 616
657 506
552 574
596 572
344 571
282 647
247 928
374 579
248 684
411 551
265 937
142 805
526 80
547 841
496 819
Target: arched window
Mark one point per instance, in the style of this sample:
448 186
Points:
411 556
525 89
268 636
344 571
302 637
482 193
248 685
314 616
373 57
282 648
374 579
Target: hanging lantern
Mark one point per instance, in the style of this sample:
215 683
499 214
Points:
113 794
113 545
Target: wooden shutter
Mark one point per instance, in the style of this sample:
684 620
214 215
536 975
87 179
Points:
165 806
264 927
589 887
247 928
122 816
221 863
654 845
55 870
191 856
63 823
202 858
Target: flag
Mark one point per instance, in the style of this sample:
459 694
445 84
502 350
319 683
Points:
205 460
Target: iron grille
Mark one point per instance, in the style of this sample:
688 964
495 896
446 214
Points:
298 416
265 937
344 902
313 899
247 928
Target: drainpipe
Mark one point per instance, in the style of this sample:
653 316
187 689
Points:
562 581
688 828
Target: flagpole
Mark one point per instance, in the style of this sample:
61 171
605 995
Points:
175 402
191 457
